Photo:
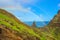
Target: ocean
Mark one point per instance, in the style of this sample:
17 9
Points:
38 24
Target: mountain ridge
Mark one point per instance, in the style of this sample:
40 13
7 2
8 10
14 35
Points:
20 29
5 12
55 20
13 29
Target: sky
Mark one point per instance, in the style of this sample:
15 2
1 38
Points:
31 10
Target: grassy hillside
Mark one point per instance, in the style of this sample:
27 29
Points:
24 32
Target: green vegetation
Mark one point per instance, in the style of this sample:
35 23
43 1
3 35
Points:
5 20
29 33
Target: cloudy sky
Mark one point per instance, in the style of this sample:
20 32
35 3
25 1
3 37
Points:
32 10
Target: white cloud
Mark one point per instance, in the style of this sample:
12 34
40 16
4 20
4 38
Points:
8 2
25 14
59 5
30 16
4 1
27 1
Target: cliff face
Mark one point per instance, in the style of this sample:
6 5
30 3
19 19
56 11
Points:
53 28
34 24
55 22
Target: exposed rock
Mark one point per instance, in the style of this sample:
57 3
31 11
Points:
55 22
34 24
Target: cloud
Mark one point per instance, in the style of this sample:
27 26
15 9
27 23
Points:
27 2
59 5
29 16
4 1
7 6
8 3
11 2
25 14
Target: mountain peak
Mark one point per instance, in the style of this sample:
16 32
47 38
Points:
34 24
59 11
56 20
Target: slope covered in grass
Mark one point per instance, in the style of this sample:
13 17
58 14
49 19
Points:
21 31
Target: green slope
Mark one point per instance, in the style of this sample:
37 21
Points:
21 28
25 32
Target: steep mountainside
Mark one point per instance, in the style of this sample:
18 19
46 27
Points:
13 29
53 28
9 21
55 22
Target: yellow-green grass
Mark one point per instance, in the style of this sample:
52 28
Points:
5 20
18 27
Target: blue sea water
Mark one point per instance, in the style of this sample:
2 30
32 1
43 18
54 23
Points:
38 24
